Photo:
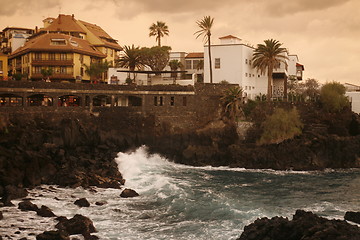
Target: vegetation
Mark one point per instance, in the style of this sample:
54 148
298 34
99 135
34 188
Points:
175 65
307 91
280 126
233 101
131 59
266 57
159 30
205 26
47 73
96 69
155 57
332 97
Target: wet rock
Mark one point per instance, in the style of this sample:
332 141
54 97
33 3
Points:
353 217
1 215
82 202
128 193
305 225
53 235
12 192
77 225
100 203
44 211
27 206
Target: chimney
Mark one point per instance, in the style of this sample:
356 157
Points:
73 16
59 19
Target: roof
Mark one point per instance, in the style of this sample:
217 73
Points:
17 28
43 43
64 23
195 55
300 65
229 37
102 35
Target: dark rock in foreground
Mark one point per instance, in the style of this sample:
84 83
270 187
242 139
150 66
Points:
353 217
305 225
53 235
82 202
45 211
128 193
28 206
77 225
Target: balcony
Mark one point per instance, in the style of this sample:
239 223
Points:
52 62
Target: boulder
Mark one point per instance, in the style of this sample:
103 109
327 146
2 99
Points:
82 202
305 225
353 217
77 225
28 206
44 211
128 193
53 235
1 215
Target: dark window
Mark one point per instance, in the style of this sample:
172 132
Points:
184 101
161 102
155 101
172 101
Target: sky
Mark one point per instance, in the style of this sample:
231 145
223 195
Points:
323 33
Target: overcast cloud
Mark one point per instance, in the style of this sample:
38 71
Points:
323 33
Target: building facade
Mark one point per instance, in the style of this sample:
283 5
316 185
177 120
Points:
12 38
232 63
3 67
66 46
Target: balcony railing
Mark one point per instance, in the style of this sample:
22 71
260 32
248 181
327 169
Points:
52 62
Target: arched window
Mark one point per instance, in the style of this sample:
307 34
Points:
69 101
135 101
10 100
39 100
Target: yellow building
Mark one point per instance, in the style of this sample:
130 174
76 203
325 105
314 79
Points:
3 67
64 45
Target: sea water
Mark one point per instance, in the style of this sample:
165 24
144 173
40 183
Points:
184 202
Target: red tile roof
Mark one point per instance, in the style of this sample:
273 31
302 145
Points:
195 55
229 37
43 43
64 23
300 65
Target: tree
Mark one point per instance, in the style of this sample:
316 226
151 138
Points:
96 69
131 59
47 73
175 65
155 57
332 97
159 30
266 57
311 89
232 100
205 26
281 125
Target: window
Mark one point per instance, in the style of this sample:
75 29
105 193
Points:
249 74
155 101
63 69
246 62
188 64
245 74
37 56
217 62
184 101
172 101
161 101
82 71
51 56
63 56
58 41
250 62
196 64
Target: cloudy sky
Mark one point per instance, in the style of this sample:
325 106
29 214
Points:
323 33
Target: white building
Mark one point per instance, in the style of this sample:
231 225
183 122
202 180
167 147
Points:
13 37
232 62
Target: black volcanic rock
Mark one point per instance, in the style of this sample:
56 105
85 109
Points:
353 217
82 202
53 235
28 206
45 211
305 225
77 225
128 193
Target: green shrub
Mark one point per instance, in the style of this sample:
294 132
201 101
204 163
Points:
332 97
281 125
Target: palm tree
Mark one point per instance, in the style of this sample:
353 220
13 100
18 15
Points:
160 29
205 25
131 59
232 100
96 69
266 57
175 65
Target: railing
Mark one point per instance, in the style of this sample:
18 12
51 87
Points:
55 75
52 62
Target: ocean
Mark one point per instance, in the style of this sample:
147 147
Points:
184 202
